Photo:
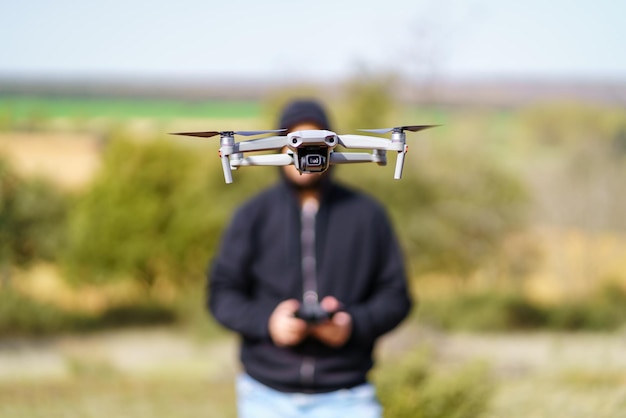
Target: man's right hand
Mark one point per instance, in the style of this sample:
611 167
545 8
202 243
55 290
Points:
285 329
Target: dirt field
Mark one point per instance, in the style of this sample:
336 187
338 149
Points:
68 160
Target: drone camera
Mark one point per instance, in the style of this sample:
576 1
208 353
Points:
312 158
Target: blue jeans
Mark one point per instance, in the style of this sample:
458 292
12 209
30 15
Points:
255 400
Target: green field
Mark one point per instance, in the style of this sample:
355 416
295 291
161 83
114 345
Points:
24 107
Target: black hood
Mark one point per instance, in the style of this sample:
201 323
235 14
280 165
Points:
303 111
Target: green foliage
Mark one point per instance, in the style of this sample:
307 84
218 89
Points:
155 211
32 219
484 312
23 316
191 310
565 124
605 310
145 215
411 388
20 315
465 215
143 313
452 210
368 102
573 161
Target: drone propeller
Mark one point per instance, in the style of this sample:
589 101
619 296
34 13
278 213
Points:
209 134
411 128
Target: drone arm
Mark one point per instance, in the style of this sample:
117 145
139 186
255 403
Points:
261 144
271 159
350 157
363 141
357 157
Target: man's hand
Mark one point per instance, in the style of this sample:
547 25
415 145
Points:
285 329
336 331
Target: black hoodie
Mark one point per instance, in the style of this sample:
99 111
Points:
258 266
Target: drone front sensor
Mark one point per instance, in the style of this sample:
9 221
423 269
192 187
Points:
310 151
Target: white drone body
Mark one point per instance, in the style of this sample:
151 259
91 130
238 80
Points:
310 151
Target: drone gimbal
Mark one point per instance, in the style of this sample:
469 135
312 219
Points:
310 151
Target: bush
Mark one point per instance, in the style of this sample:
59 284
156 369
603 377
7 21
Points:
605 310
484 312
448 222
33 216
368 102
136 314
148 214
411 388
23 316
20 315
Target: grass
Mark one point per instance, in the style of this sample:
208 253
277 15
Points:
186 398
548 397
117 397
436 385
413 387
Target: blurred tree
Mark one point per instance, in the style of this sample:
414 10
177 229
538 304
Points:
155 211
453 211
570 123
578 174
138 214
32 220
368 102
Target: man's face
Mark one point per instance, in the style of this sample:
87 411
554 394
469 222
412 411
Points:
304 180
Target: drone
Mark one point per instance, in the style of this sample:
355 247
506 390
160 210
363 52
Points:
310 151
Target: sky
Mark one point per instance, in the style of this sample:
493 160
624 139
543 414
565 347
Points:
318 40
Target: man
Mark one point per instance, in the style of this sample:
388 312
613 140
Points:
294 367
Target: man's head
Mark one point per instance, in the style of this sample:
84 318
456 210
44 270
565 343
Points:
300 115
